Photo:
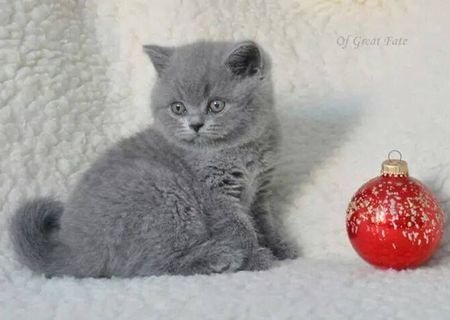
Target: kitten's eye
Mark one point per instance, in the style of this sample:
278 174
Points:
178 108
216 106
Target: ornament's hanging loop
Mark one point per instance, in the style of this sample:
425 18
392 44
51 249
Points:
394 151
394 167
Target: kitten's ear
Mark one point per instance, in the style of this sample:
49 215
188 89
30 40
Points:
160 56
245 59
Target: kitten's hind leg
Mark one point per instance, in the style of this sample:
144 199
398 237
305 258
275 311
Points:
206 257
214 256
231 245
217 236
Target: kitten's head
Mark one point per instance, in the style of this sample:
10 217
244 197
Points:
211 93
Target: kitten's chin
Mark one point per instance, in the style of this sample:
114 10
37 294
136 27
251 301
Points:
202 142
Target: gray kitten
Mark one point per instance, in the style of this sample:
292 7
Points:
189 195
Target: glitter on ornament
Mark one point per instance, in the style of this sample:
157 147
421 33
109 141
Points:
394 221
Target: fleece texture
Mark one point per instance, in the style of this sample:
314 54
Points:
74 79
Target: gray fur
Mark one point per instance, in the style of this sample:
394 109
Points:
171 200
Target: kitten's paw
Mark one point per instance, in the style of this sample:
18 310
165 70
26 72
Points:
226 260
261 259
284 250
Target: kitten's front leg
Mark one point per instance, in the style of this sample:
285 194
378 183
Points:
232 221
236 230
270 233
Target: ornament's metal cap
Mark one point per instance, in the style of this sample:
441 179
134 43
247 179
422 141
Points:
394 167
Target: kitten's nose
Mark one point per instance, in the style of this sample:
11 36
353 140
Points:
196 126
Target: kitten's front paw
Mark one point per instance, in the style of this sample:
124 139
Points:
226 260
284 250
261 259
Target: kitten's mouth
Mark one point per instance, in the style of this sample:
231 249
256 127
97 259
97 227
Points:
197 136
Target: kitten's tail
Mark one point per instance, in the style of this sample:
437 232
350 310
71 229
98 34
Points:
34 230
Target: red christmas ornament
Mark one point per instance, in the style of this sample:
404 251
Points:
394 221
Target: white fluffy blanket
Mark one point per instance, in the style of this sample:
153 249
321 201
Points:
73 79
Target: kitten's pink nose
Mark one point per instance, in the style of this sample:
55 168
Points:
196 126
